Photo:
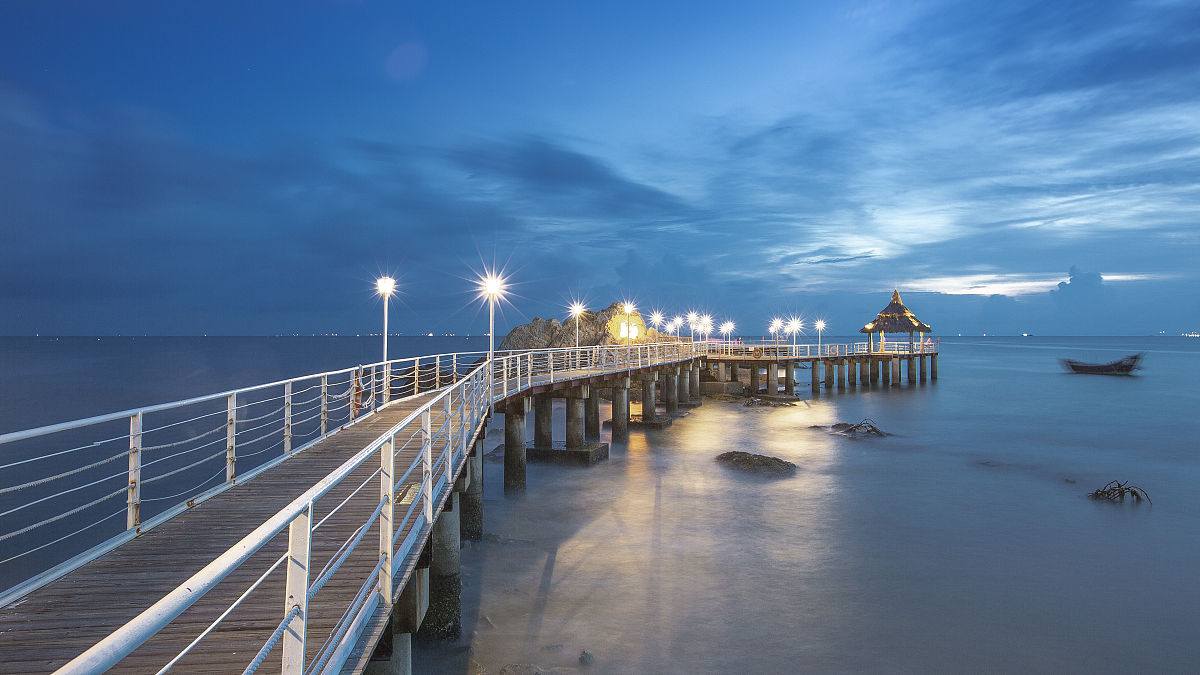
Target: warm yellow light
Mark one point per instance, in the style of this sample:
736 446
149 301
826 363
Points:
776 325
628 306
692 317
794 325
577 309
385 285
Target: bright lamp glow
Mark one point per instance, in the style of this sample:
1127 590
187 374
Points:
656 319
727 328
706 324
820 325
776 325
576 309
628 307
385 285
491 286
793 326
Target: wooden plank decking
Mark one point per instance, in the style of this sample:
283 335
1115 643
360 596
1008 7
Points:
44 630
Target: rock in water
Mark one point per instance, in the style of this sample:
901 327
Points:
762 465
586 658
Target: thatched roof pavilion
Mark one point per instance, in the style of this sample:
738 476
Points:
896 318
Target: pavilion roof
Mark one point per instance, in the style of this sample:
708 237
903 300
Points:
896 318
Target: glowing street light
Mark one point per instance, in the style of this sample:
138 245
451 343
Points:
820 326
793 327
385 286
576 309
726 330
656 319
676 323
776 326
491 288
629 308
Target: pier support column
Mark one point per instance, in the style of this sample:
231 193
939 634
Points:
814 369
685 375
543 417
771 378
591 415
620 409
830 369
471 517
789 377
895 370
575 401
731 369
921 366
671 390
694 383
933 366
722 372
514 444
843 366
649 403
885 372
444 618
912 374
754 379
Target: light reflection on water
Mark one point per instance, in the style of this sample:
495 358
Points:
957 544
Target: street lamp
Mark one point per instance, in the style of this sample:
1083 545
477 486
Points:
706 325
820 326
577 309
385 286
491 288
726 329
675 324
629 309
793 327
776 326
657 320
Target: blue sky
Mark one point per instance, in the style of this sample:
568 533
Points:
250 168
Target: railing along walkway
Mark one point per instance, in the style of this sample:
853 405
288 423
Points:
59 621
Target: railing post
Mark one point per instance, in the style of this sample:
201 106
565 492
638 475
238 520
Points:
529 368
504 369
449 422
324 404
387 382
133 498
426 468
296 590
454 368
437 372
353 393
550 360
231 438
387 490
287 418
416 375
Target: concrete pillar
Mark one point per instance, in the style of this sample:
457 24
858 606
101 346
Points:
815 370
694 383
575 400
829 373
649 403
851 373
912 373
933 358
671 390
771 378
591 415
842 366
723 371
789 377
877 370
444 618
543 416
732 370
754 379
896 370
685 391
620 410
922 367
885 372
471 517
514 444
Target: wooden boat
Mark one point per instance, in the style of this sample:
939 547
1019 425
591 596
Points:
1124 366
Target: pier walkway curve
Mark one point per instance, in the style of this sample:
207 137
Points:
314 513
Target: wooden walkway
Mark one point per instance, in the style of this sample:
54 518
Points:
52 625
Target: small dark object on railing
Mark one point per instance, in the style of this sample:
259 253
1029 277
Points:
1115 491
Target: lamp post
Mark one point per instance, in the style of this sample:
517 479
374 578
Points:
656 319
726 329
577 309
794 326
385 286
676 323
706 326
491 288
820 326
775 327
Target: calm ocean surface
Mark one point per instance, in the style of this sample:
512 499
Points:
962 543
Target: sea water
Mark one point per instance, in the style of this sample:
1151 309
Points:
962 542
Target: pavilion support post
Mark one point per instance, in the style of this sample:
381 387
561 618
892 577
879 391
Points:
912 374
895 370
922 363
933 359
789 377
829 374
514 444
885 372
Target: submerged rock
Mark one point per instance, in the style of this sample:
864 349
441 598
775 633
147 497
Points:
586 658
762 465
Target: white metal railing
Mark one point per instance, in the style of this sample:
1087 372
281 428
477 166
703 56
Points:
60 485
782 350
449 421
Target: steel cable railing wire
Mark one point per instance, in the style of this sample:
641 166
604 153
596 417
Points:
256 453
72 472
56 495
181 453
261 417
272 641
187 421
66 514
64 452
163 446
65 536
347 499
192 490
148 481
343 624
344 551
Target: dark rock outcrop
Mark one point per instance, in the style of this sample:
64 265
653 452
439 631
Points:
595 328
761 465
